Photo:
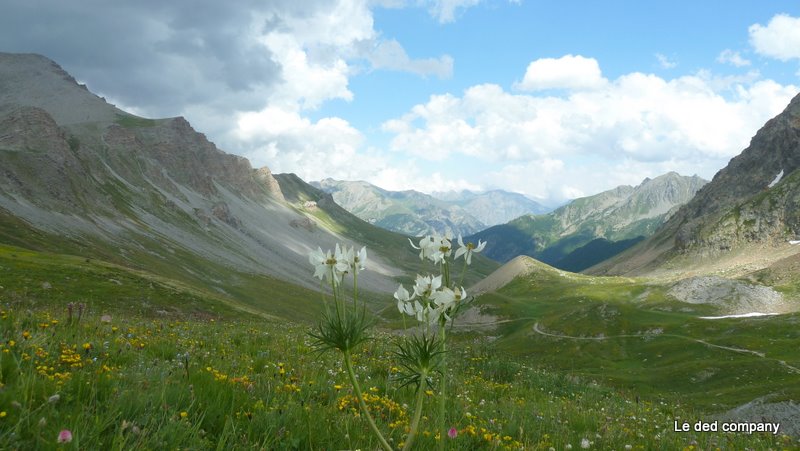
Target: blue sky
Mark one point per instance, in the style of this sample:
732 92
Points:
551 99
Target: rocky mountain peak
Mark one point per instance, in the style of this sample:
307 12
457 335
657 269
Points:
774 149
33 80
42 107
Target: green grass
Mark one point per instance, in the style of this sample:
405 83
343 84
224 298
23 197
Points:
131 121
651 345
148 381
253 381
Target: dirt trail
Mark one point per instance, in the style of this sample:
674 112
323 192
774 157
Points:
791 368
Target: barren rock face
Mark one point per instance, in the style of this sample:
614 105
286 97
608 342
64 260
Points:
32 129
42 160
707 219
264 175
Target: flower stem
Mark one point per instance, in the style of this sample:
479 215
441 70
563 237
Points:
355 289
443 388
463 273
357 388
412 434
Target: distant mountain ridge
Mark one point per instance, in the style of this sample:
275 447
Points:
415 213
611 221
494 206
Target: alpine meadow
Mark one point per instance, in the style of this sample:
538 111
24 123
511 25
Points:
415 239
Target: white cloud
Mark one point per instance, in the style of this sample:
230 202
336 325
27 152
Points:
445 10
692 124
665 62
779 39
288 142
728 56
568 72
389 54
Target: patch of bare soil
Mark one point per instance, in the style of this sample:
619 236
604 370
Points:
733 297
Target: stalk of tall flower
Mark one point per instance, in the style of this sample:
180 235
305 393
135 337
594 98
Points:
436 301
344 330
420 357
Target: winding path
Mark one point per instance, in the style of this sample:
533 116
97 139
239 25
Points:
539 331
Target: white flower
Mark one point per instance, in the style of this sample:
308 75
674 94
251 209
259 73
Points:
443 248
433 247
426 247
355 260
332 266
360 259
426 314
469 249
447 298
585 443
424 287
317 259
404 301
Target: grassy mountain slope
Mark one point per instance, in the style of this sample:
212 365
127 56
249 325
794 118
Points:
634 334
619 215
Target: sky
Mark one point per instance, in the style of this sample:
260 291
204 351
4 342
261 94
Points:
554 100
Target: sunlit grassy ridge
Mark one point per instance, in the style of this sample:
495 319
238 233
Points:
48 277
184 370
628 333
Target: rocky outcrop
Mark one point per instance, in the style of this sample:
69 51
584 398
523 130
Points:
41 149
733 200
264 175
192 160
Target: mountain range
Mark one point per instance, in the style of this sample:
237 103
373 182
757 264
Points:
588 230
414 213
82 177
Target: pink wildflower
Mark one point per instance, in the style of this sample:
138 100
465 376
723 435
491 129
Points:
452 433
65 436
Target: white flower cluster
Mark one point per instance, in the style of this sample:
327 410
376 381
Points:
334 265
437 248
431 301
